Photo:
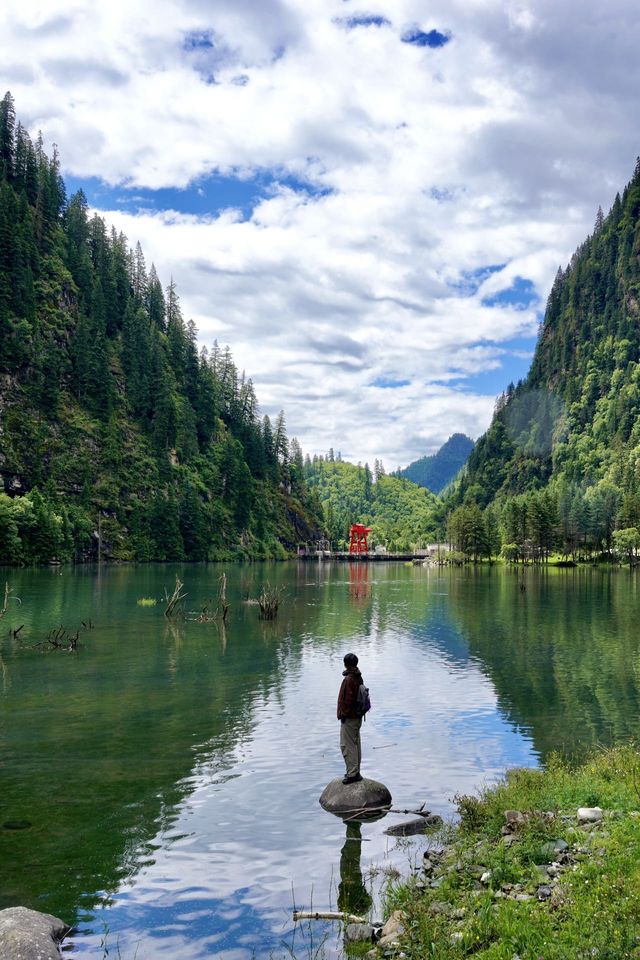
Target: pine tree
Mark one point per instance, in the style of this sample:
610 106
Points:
155 300
7 132
78 252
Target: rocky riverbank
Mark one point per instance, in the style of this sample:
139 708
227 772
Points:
543 866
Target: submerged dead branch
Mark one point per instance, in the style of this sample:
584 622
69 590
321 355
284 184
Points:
222 605
8 595
269 601
59 639
176 598
327 915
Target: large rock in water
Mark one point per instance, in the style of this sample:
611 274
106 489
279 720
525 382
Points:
29 935
338 797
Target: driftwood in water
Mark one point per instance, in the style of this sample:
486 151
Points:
269 601
326 915
223 603
363 812
59 639
8 595
222 606
176 597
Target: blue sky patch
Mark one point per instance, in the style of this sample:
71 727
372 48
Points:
472 280
442 194
513 365
388 383
208 196
199 40
521 294
419 38
363 20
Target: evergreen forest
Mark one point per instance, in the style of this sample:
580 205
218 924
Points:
403 516
559 467
558 470
438 470
119 438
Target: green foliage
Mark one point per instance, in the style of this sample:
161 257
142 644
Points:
119 439
437 471
593 909
401 514
627 542
572 428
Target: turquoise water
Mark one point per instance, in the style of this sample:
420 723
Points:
159 786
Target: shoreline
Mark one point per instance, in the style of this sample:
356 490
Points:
541 866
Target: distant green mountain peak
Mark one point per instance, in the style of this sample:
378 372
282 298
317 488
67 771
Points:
438 470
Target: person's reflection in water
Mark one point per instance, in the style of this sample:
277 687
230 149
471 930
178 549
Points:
353 896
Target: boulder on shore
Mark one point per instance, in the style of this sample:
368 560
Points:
365 795
30 935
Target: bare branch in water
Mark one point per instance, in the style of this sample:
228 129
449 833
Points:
176 597
8 595
328 915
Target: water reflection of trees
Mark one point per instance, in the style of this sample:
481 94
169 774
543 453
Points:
562 653
98 750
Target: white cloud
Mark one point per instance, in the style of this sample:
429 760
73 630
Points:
493 149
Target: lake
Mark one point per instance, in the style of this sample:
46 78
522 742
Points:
159 786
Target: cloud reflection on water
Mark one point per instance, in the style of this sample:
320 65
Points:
251 831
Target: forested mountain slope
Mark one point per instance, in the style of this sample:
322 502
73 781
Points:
564 445
401 514
118 438
438 470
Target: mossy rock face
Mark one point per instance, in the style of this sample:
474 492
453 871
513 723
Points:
340 798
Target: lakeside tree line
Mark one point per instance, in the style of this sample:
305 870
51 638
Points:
402 514
561 518
120 437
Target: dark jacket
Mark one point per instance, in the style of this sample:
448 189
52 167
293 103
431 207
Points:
349 694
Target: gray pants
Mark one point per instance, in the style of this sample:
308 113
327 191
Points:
350 745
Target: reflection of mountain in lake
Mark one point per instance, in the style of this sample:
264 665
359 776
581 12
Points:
104 752
562 654
98 748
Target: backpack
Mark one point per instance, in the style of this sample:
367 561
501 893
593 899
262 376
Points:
363 703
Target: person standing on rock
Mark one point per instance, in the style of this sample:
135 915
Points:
350 718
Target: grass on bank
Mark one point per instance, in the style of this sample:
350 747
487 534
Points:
485 899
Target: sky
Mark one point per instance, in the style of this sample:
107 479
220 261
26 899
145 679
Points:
367 202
